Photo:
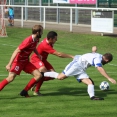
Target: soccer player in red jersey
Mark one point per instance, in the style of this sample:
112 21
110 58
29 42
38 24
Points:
20 61
45 48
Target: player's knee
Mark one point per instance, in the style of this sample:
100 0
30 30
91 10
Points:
87 81
10 78
92 82
37 76
61 76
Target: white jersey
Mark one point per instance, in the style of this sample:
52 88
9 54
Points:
89 59
80 63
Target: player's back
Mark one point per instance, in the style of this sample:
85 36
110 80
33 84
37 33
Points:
90 56
90 59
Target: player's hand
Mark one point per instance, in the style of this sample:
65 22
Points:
8 67
112 80
94 49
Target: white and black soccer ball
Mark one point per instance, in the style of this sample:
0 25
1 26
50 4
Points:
104 86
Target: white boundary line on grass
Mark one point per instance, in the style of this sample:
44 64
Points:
112 64
8 45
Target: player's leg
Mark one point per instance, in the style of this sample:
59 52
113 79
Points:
39 84
90 88
59 76
51 74
42 67
37 76
7 80
38 65
14 70
9 20
12 20
70 70
30 68
37 87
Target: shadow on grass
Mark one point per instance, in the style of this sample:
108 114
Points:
78 92
69 91
13 96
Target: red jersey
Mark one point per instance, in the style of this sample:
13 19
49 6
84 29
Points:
26 47
44 48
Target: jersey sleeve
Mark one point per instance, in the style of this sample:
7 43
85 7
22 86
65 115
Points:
97 62
50 50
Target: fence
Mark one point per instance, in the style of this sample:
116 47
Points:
57 14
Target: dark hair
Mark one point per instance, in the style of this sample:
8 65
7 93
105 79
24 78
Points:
37 28
51 34
108 56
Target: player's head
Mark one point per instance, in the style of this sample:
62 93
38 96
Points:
52 37
38 30
106 58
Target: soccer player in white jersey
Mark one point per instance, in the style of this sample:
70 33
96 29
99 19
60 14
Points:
78 66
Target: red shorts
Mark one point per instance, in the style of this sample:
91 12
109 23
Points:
27 67
39 64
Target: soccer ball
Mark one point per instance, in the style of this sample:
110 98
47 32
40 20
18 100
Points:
104 85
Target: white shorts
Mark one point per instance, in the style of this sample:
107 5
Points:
74 69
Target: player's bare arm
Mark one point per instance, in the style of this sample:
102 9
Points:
103 72
63 55
36 52
12 58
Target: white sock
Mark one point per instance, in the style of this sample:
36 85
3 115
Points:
51 74
90 90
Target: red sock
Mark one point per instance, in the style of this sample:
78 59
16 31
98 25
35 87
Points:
3 84
30 84
38 85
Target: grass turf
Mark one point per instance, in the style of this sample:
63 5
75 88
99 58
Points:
66 98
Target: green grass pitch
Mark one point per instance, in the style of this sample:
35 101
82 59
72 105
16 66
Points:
66 98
